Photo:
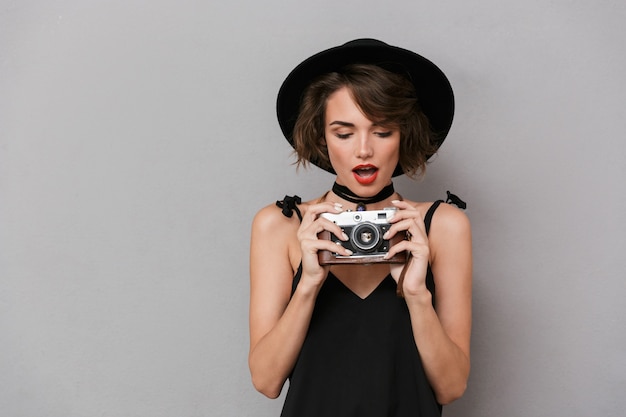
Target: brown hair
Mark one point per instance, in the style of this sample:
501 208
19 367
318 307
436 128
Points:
383 96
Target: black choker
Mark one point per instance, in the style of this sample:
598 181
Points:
348 195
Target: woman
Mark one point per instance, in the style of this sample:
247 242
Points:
375 338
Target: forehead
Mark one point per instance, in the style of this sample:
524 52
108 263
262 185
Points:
341 106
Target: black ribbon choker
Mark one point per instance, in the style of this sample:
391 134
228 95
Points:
348 195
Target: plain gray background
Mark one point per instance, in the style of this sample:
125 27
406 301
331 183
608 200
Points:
138 139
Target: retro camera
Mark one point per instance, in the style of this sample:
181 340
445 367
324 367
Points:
365 230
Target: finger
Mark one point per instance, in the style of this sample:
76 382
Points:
313 246
322 224
327 207
413 227
403 205
406 210
418 250
312 215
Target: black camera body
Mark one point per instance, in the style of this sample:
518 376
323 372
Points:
365 230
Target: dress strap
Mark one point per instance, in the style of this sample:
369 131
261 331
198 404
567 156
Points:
429 214
296 278
452 199
289 204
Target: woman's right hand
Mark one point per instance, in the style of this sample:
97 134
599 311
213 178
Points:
312 224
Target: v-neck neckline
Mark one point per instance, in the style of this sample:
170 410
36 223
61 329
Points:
357 296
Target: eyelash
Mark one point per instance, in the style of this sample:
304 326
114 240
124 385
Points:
379 134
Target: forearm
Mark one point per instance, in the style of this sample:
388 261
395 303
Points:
446 365
274 355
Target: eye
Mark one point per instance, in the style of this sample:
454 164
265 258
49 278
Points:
343 135
385 134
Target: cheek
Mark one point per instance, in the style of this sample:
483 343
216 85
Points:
393 150
334 151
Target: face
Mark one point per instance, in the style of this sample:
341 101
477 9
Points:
363 153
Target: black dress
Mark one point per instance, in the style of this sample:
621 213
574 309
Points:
359 358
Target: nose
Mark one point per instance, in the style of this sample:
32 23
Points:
364 147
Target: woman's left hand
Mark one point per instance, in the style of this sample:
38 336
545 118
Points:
411 276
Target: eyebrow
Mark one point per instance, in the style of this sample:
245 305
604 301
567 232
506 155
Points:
348 124
340 123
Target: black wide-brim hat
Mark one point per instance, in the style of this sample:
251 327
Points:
433 89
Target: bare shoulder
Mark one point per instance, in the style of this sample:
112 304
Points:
274 235
449 219
272 261
271 219
449 224
450 234
446 217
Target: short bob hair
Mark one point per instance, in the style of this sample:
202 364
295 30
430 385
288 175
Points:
385 97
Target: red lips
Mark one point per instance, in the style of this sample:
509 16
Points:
365 174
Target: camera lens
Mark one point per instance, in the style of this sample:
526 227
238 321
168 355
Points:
365 236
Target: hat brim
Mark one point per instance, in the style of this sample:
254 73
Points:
433 89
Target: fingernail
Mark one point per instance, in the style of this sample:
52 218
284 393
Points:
338 207
349 252
386 235
395 201
345 236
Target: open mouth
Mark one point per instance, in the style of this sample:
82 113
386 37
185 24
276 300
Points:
365 174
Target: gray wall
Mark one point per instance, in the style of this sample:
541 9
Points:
138 139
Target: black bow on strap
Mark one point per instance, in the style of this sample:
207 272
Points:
453 199
289 204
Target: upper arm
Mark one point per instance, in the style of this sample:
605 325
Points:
271 272
451 263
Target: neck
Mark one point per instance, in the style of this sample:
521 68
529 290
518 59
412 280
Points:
363 203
